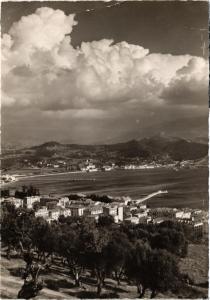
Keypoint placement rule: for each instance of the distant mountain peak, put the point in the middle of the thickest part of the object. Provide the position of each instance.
(48, 144)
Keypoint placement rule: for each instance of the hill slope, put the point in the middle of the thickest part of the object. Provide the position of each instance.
(148, 148)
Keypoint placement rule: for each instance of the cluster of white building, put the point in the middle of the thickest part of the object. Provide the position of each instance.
(121, 209)
(51, 208)
(6, 178)
(91, 167)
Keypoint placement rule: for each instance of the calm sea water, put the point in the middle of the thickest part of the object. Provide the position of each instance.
(186, 188)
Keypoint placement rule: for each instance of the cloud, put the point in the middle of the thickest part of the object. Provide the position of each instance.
(190, 85)
(41, 69)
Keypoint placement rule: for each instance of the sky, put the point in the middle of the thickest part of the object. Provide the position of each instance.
(103, 72)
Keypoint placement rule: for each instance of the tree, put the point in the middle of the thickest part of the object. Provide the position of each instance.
(62, 219)
(94, 243)
(16, 227)
(170, 239)
(163, 272)
(32, 284)
(44, 237)
(69, 246)
(137, 266)
(105, 221)
(117, 250)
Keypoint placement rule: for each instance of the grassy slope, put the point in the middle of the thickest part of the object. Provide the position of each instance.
(59, 285)
(196, 263)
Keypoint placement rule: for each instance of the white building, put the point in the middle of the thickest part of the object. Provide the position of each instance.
(133, 220)
(183, 215)
(54, 214)
(94, 210)
(107, 168)
(120, 213)
(110, 210)
(77, 210)
(67, 212)
(63, 202)
(90, 167)
(143, 207)
(28, 201)
(158, 221)
(141, 215)
(15, 201)
(42, 212)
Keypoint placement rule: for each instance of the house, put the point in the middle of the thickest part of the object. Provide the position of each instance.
(94, 210)
(54, 213)
(148, 220)
(63, 202)
(198, 228)
(67, 212)
(126, 199)
(90, 167)
(133, 220)
(206, 227)
(107, 168)
(110, 210)
(42, 212)
(143, 207)
(45, 200)
(140, 214)
(183, 215)
(77, 210)
(15, 201)
(116, 219)
(29, 201)
(51, 205)
(120, 214)
(157, 220)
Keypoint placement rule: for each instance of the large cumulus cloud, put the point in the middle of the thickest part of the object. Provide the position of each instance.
(40, 68)
(189, 86)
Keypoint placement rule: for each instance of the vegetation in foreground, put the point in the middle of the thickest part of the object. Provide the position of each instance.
(148, 256)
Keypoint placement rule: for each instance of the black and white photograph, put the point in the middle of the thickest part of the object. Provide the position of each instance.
(104, 150)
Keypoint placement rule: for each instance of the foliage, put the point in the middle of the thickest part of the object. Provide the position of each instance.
(145, 254)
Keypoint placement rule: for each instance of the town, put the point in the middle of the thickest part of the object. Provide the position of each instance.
(121, 209)
(93, 165)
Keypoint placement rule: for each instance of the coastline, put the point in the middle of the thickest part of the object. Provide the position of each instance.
(47, 174)
(24, 176)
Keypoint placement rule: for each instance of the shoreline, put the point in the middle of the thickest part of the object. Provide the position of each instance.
(19, 177)
(47, 174)
(24, 176)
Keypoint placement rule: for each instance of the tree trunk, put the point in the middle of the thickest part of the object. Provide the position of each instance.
(103, 282)
(99, 288)
(44, 258)
(153, 294)
(8, 252)
(93, 273)
(21, 247)
(117, 277)
(76, 278)
(52, 258)
(142, 292)
(139, 287)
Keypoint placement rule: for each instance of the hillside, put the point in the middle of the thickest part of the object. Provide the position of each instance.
(148, 148)
(156, 148)
(58, 284)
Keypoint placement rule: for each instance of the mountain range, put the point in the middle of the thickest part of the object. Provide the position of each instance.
(147, 148)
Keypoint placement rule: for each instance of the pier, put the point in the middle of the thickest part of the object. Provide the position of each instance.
(137, 201)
